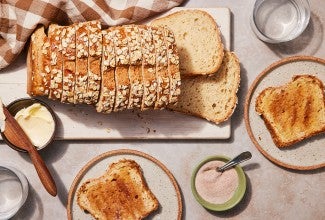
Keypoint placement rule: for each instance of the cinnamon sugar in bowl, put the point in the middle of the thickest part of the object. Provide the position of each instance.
(218, 191)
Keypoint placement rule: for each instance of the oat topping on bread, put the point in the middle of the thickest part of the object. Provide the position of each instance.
(294, 111)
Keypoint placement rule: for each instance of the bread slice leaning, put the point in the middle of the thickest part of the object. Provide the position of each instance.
(38, 66)
(295, 111)
(211, 97)
(198, 41)
(121, 193)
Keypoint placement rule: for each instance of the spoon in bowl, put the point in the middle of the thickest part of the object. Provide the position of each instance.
(238, 159)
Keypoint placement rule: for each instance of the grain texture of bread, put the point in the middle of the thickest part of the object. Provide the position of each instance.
(295, 111)
(94, 62)
(162, 76)
(121, 193)
(173, 66)
(211, 97)
(198, 40)
(106, 100)
(55, 34)
(122, 60)
(135, 68)
(38, 71)
(69, 63)
(148, 68)
(82, 53)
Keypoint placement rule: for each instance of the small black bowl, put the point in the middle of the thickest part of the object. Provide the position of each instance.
(19, 104)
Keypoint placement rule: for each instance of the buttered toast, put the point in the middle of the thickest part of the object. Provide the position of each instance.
(295, 111)
(121, 193)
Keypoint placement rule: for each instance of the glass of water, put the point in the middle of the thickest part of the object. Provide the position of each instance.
(276, 21)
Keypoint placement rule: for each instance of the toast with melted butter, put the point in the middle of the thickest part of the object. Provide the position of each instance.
(295, 111)
(121, 193)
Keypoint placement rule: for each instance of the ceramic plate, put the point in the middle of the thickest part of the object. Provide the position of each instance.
(306, 155)
(159, 179)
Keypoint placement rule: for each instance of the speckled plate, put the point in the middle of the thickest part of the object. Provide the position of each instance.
(159, 179)
(306, 155)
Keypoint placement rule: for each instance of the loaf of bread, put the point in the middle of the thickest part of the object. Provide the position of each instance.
(121, 193)
(124, 67)
(198, 40)
(295, 111)
(211, 97)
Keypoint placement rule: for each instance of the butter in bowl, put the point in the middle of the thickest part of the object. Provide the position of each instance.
(215, 190)
(37, 120)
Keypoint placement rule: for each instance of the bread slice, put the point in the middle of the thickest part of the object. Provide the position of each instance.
(148, 68)
(211, 97)
(39, 70)
(135, 68)
(55, 34)
(94, 62)
(107, 94)
(121, 193)
(69, 63)
(162, 76)
(122, 60)
(173, 66)
(198, 40)
(295, 111)
(82, 53)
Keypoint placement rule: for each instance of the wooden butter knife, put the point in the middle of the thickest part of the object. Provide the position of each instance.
(16, 135)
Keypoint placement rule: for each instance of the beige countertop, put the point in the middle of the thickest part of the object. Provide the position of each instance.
(273, 192)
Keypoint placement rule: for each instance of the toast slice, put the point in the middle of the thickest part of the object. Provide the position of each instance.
(162, 76)
(55, 34)
(198, 40)
(107, 94)
(148, 68)
(135, 68)
(295, 111)
(211, 97)
(94, 62)
(122, 60)
(82, 53)
(39, 69)
(69, 63)
(173, 66)
(121, 193)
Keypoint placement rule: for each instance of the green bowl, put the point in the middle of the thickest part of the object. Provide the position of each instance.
(235, 199)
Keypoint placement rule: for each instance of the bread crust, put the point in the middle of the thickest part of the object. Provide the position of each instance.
(122, 188)
(290, 113)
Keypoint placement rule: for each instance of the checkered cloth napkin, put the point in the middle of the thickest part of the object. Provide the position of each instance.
(19, 18)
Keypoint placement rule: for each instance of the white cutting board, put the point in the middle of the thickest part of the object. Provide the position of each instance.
(83, 122)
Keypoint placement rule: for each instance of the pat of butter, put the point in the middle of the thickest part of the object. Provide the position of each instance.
(2, 118)
(37, 122)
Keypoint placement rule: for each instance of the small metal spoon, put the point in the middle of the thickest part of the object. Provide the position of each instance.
(240, 158)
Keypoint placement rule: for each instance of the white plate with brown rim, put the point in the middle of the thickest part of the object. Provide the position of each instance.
(305, 155)
(159, 179)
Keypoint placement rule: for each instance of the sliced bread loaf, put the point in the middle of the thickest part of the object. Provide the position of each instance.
(121, 193)
(39, 69)
(211, 97)
(107, 93)
(198, 40)
(295, 111)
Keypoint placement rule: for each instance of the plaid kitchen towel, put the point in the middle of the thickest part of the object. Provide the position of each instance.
(19, 18)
